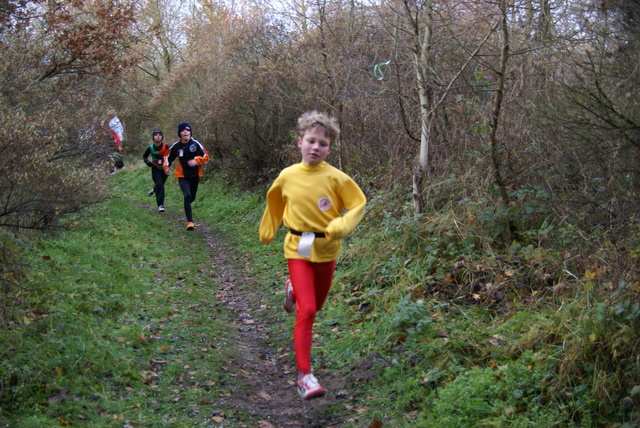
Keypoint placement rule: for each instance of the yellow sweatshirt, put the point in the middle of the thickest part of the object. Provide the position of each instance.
(311, 199)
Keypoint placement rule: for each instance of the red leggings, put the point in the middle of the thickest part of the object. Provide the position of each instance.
(311, 283)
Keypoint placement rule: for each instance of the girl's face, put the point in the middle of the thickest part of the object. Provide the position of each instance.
(157, 138)
(314, 146)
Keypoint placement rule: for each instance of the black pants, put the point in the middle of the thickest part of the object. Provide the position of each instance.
(117, 160)
(159, 178)
(189, 187)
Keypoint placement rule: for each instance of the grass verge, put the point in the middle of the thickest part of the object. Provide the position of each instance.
(120, 320)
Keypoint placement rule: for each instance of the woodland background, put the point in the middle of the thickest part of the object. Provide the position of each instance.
(526, 108)
(518, 118)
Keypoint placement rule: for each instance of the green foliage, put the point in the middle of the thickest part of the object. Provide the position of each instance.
(453, 332)
(473, 336)
(412, 317)
(510, 395)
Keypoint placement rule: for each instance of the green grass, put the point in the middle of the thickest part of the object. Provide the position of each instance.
(110, 306)
(113, 306)
(444, 329)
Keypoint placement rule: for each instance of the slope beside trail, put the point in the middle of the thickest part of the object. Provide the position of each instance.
(266, 375)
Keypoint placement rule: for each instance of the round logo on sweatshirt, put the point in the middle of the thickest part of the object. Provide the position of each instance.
(324, 203)
(192, 148)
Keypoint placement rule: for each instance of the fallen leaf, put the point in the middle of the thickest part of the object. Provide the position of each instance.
(265, 395)
(591, 273)
(141, 338)
(471, 219)
(561, 286)
(412, 415)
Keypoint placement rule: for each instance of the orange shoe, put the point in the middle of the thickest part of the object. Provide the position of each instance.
(191, 226)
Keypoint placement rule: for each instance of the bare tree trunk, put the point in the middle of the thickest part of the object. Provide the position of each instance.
(420, 26)
(495, 115)
(422, 54)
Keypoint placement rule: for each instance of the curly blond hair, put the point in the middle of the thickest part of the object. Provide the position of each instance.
(315, 119)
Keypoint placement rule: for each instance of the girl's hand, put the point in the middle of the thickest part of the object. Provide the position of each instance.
(167, 171)
(192, 162)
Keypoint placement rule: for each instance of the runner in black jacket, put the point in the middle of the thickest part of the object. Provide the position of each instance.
(191, 155)
(158, 151)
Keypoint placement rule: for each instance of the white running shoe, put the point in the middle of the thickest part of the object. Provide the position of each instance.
(308, 387)
(151, 192)
(289, 301)
(160, 208)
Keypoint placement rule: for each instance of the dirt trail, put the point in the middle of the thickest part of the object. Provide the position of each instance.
(265, 374)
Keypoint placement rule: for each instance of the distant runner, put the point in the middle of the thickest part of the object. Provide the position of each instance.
(191, 155)
(158, 151)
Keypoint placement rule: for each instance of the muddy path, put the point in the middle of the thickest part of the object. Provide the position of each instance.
(265, 371)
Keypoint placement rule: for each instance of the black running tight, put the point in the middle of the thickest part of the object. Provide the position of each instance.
(189, 187)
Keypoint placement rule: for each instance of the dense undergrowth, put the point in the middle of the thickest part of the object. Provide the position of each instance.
(459, 330)
(470, 333)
